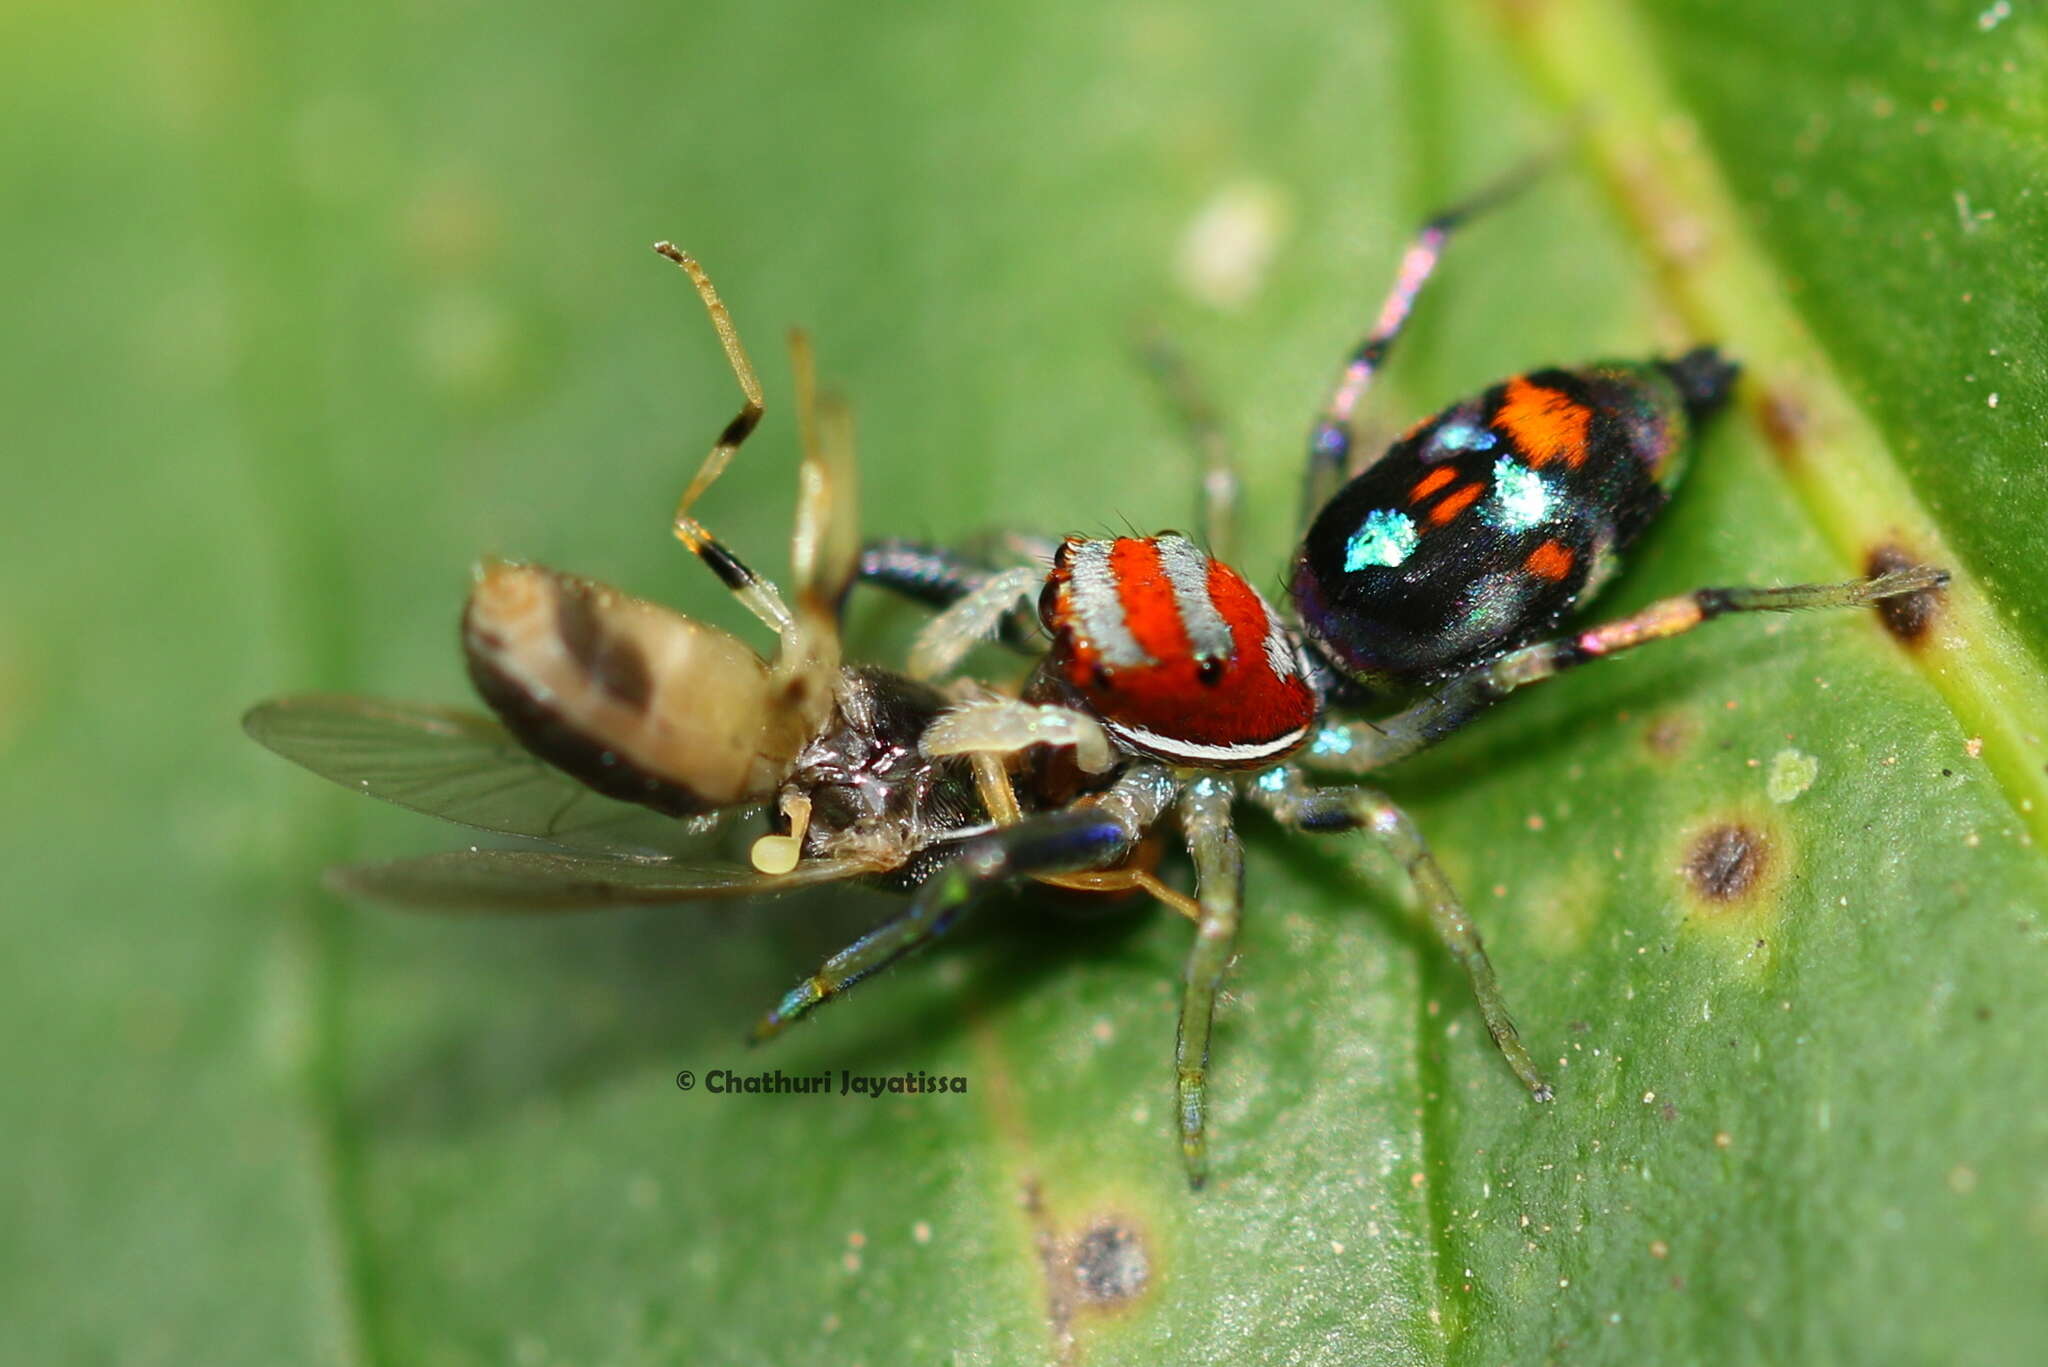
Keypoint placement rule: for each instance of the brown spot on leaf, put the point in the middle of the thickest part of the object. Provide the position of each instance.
(1725, 862)
(1669, 734)
(1785, 420)
(1910, 616)
(1103, 1267)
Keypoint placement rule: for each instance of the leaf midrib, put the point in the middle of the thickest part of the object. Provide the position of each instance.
(1732, 288)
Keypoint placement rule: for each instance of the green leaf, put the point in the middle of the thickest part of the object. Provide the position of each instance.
(327, 303)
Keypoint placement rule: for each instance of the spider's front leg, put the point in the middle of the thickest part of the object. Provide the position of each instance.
(1286, 793)
(943, 577)
(991, 731)
(1092, 836)
(1219, 891)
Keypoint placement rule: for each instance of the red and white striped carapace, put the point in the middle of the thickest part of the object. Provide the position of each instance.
(1174, 653)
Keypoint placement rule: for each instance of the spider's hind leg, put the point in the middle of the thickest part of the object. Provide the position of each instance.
(1359, 747)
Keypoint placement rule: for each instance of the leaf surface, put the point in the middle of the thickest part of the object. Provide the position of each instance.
(383, 303)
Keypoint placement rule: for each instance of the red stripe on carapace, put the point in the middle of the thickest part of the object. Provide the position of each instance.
(1546, 424)
(1431, 482)
(1241, 607)
(1455, 502)
(1147, 595)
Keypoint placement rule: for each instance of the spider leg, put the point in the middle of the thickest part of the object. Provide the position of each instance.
(945, 640)
(1219, 870)
(1287, 795)
(1331, 440)
(1358, 747)
(940, 576)
(1071, 839)
(1008, 726)
(1221, 488)
(999, 799)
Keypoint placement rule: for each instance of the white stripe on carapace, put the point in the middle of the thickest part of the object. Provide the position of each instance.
(1187, 570)
(1170, 748)
(1091, 585)
(1283, 655)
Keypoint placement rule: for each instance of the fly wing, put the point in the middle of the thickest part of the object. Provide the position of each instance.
(533, 881)
(459, 765)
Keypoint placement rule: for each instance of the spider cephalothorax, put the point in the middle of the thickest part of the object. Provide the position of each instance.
(1174, 653)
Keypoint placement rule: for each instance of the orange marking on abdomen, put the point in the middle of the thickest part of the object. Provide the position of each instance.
(1455, 502)
(1552, 560)
(1147, 597)
(1547, 425)
(1431, 482)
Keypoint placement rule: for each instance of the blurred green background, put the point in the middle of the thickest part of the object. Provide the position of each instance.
(309, 306)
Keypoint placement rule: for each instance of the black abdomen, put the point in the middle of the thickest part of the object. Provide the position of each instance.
(1485, 526)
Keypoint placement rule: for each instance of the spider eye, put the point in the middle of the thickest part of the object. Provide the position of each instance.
(1209, 668)
(1049, 604)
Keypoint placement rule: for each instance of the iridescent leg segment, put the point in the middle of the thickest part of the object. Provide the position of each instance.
(1080, 837)
(1330, 442)
(1287, 795)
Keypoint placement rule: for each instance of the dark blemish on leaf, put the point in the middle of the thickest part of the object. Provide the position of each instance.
(1909, 617)
(1725, 861)
(1110, 1265)
(1104, 1267)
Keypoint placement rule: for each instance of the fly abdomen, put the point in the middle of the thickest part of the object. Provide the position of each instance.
(638, 702)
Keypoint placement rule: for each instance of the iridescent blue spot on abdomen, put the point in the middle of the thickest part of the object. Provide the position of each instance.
(1462, 436)
(1521, 497)
(1387, 538)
